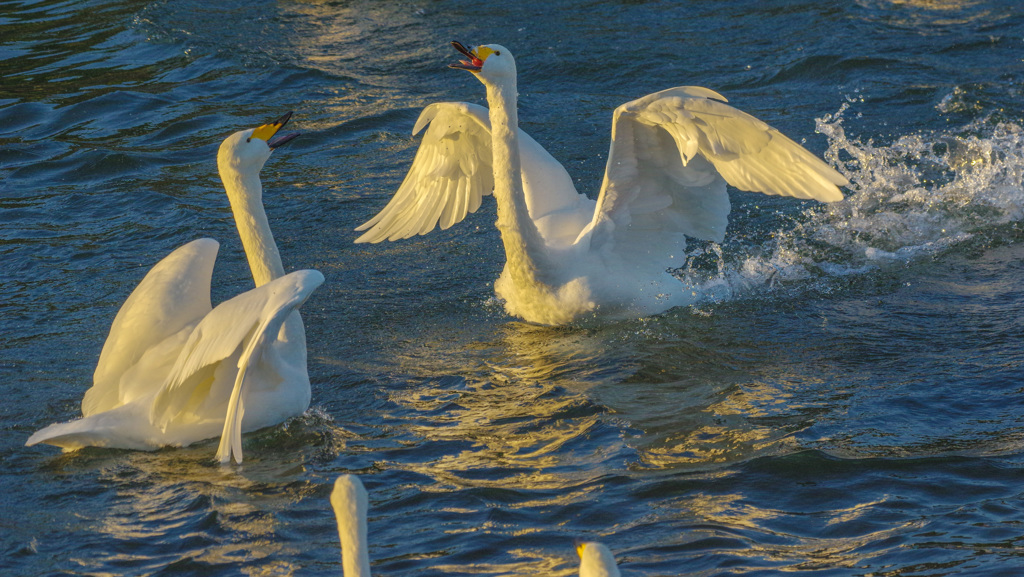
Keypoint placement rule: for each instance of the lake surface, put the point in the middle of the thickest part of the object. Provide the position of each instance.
(846, 398)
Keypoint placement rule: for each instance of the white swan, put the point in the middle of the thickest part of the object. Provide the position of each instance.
(350, 503)
(596, 560)
(672, 153)
(174, 370)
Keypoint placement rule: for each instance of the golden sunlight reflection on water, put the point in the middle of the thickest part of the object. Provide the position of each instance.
(516, 436)
(842, 541)
(731, 423)
(529, 563)
(522, 398)
(185, 493)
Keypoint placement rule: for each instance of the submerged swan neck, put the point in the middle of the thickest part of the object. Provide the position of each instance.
(245, 193)
(523, 242)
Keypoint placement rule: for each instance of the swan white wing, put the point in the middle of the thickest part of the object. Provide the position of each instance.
(558, 210)
(672, 153)
(453, 171)
(284, 301)
(247, 323)
(174, 294)
(448, 178)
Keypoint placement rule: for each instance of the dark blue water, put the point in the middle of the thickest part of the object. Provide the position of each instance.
(846, 399)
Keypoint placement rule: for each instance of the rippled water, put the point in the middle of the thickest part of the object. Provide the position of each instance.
(845, 399)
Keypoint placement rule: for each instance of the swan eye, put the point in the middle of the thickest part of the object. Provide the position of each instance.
(497, 53)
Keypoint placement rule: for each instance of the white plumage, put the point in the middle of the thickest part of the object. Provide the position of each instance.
(174, 370)
(596, 560)
(350, 503)
(671, 155)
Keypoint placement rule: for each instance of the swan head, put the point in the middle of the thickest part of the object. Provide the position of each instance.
(596, 560)
(490, 63)
(349, 499)
(247, 150)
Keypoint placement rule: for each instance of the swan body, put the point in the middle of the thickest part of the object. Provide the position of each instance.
(174, 370)
(596, 560)
(672, 154)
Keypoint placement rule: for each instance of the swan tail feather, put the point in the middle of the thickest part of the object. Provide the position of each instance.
(121, 428)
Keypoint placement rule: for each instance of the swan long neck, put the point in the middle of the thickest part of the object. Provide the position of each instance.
(350, 505)
(523, 243)
(245, 193)
(355, 557)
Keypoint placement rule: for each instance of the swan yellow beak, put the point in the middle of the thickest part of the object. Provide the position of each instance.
(580, 546)
(477, 56)
(267, 131)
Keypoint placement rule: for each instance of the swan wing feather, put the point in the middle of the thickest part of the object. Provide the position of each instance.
(248, 322)
(174, 294)
(449, 176)
(672, 154)
(285, 300)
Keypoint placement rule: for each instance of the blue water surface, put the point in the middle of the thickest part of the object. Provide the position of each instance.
(845, 398)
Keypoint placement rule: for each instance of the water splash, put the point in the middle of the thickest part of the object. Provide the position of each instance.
(915, 197)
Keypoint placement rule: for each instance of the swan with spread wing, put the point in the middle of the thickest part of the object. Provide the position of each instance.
(672, 154)
(174, 370)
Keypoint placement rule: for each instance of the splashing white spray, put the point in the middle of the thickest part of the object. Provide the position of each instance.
(917, 196)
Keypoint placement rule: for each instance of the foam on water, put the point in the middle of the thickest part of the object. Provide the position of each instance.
(909, 199)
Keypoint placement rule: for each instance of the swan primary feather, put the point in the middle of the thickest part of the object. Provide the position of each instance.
(672, 154)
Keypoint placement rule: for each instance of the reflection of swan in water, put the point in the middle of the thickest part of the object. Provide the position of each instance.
(174, 370)
(596, 560)
(566, 255)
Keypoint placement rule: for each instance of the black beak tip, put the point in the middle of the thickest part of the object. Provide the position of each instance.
(462, 49)
(284, 118)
